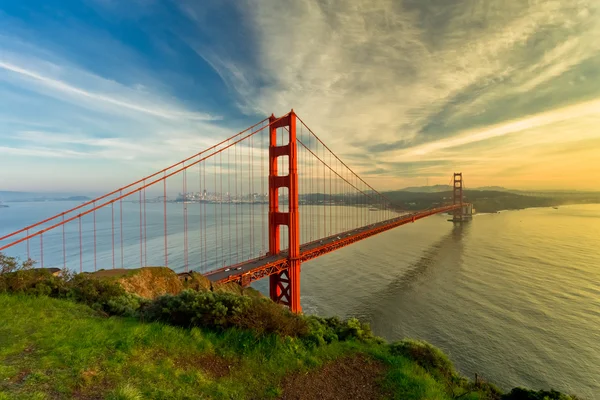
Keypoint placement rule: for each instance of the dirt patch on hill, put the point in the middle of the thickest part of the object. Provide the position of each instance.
(151, 282)
(197, 281)
(355, 377)
(110, 273)
(92, 385)
(148, 282)
(213, 365)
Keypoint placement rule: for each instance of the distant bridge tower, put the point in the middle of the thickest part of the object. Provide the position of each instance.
(284, 287)
(464, 213)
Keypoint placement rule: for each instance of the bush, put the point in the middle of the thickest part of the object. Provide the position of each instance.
(327, 330)
(427, 356)
(263, 316)
(222, 310)
(12, 264)
(524, 394)
(219, 309)
(34, 282)
(126, 305)
(190, 308)
(102, 295)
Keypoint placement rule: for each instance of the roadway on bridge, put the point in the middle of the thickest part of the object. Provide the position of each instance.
(226, 274)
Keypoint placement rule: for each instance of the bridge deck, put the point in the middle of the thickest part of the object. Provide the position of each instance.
(258, 268)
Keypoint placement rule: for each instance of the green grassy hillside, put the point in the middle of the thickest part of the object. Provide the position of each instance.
(52, 348)
(56, 349)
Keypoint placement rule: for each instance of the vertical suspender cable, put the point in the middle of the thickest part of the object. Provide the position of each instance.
(221, 207)
(64, 243)
(229, 204)
(141, 235)
(204, 164)
(201, 216)
(237, 205)
(112, 211)
(80, 248)
(216, 249)
(121, 224)
(145, 231)
(165, 219)
(262, 190)
(95, 260)
(185, 221)
(251, 169)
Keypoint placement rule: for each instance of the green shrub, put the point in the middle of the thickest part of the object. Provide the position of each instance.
(525, 394)
(34, 282)
(327, 330)
(432, 359)
(222, 310)
(11, 264)
(102, 295)
(489, 391)
(219, 309)
(263, 316)
(126, 305)
(190, 308)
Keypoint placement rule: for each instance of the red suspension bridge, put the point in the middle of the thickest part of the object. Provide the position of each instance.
(255, 205)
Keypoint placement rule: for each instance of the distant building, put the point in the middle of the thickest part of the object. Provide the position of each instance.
(184, 276)
(52, 271)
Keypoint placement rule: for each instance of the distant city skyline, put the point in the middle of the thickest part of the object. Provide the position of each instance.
(96, 94)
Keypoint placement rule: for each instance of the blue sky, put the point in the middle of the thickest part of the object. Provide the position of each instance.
(97, 93)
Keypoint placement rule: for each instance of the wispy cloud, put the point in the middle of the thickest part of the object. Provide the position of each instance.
(40, 152)
(575, 112)
(139, 104)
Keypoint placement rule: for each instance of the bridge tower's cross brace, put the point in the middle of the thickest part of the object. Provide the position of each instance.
(458, 196)
(284, 287)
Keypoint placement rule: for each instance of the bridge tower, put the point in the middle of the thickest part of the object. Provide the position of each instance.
(284, 287)
(464, 212)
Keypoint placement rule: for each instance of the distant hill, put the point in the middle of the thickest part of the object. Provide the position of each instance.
(14, 197)
(445, 188)
(558, 193)
(495, 189)
(489, 200)
(427, 189)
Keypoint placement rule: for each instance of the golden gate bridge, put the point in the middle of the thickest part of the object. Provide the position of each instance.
(279, 196)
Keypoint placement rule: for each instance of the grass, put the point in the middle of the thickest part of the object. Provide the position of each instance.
(51, 348)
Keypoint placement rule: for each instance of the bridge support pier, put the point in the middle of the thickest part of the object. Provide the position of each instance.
(284, 287)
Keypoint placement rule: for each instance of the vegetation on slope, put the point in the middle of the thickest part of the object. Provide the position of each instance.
(201, 344)
(490, 200)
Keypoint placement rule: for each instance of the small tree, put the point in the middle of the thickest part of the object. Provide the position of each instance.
(11, 264)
